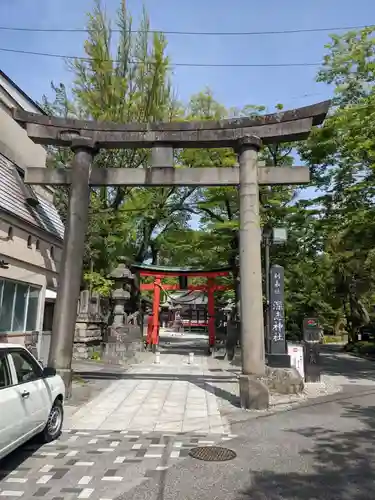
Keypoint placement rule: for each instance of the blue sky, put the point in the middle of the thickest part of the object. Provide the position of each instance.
(293, 86)
(231, 86)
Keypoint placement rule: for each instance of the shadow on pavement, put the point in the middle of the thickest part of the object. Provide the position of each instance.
(343, 465)
(337, 363)
(173, 349)
(15, 460)
(204, 382)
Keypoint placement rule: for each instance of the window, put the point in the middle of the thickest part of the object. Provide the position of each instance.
(32, 311)
(29, 241)
(6, 312)
(52, 252)
(26, 368)
(10, 232)
(19, 303)
(5, 379)
(37, 245)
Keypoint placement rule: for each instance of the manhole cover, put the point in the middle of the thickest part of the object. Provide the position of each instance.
(212, 454)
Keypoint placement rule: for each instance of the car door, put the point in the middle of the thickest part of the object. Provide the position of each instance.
(31, 389)
(11, 408)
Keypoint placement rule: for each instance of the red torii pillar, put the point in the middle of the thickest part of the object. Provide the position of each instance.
(155, 311)
(211, 311)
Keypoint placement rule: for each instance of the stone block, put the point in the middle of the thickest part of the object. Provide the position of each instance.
(283, 380)
(254, 394)
(123, 344)
(87, 331)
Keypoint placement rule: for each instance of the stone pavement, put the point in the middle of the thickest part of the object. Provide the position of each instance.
(145, 420)
(132, 441)
(321, 451)
(173, 396)
(90, 464)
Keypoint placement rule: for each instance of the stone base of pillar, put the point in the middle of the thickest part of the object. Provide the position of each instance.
(67, 376)
(278, 360)
(254, 394)
(90, 349)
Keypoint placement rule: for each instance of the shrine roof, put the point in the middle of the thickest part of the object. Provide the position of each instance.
(160, 271)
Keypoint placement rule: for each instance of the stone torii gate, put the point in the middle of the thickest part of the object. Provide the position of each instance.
(245, 135)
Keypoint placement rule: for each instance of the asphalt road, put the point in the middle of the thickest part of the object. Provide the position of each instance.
(324, 450)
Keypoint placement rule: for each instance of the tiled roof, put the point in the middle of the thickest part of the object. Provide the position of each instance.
(178, 270)
(192, 297)
(12, 199)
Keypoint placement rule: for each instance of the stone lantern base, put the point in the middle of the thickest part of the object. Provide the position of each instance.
(123, 345)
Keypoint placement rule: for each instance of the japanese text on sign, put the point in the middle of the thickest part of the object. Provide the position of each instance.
(277, 305)
(277, 283)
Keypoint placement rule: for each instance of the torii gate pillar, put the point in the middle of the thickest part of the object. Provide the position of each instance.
(253, 393)
(64, 318)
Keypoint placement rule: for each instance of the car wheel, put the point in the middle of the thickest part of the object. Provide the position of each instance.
(54, 424)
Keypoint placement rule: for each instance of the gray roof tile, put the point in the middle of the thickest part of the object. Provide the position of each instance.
(12, 199)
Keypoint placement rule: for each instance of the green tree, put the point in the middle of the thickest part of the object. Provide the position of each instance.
(130, 83)
(341, 156)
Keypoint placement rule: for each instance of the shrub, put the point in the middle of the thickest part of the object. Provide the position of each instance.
(95, 356)
(361, 348)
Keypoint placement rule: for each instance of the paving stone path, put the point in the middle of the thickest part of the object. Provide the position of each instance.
(173, 396)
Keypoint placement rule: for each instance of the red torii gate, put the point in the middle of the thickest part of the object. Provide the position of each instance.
(159, 272)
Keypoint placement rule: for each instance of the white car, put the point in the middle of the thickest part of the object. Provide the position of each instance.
(31, 399)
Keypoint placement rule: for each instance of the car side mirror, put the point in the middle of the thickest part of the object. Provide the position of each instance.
(48, 371)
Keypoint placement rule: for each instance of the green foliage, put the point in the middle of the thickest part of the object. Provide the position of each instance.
(334, 339)
(341, 156)
(361, 348)
(98, 283)
(108, 85)
(95, 356)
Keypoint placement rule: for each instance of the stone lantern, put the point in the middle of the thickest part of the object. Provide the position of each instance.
(124, 340)
(121, 295)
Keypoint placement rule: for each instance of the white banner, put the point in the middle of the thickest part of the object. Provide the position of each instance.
(296, 358)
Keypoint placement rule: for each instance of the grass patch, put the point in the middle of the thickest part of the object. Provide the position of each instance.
(334, 339)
